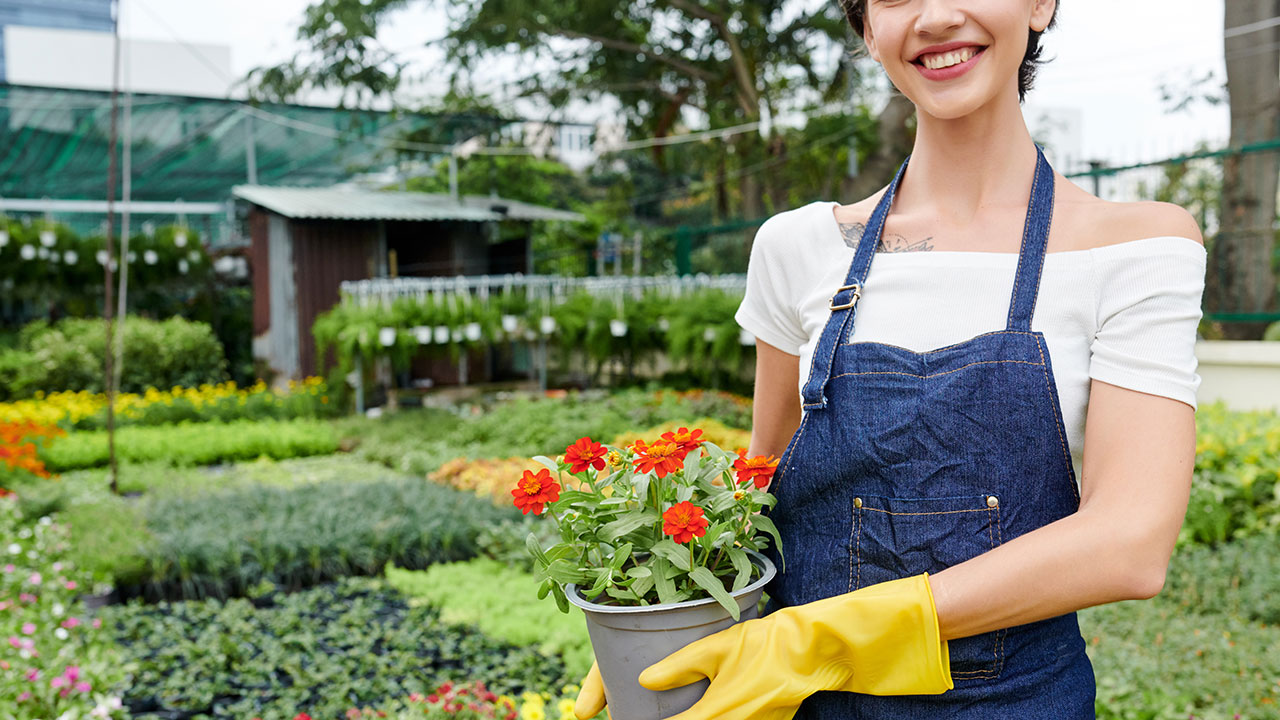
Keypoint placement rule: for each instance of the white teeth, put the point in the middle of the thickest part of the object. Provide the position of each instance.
(941, 60)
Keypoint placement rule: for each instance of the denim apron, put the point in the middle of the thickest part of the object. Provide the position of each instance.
(910, 462)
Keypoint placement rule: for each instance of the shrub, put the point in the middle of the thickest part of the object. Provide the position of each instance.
(69, 356)
(222, 542)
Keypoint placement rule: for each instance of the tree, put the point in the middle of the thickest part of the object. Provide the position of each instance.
(1241, 276)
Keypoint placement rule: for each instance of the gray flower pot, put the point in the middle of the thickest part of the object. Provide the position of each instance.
(626, 640)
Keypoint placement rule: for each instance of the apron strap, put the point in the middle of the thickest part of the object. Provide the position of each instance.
(844, 301)
(1035, 237)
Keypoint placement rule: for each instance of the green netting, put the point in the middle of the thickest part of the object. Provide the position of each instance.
(53, 143)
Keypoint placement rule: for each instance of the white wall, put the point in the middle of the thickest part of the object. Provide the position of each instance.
(82, 59)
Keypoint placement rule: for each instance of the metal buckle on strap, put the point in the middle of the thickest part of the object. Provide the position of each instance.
(856, 288)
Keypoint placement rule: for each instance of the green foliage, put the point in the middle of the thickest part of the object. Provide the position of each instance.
(501, 601)
(1236, 490)
(321, 651)
(1206, 647)
(69, 355)
(221, 542)
(196, 443)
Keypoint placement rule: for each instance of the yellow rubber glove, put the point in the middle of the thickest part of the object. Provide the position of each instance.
(591, 696)
(880, 640)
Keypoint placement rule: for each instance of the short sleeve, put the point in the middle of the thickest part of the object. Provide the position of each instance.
(770, 308)
(1149, 309)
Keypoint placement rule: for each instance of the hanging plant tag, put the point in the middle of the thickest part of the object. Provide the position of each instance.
(618, 328)
(442, 334)
(387, 336)
(510, 323)
(423, 333)
(473, 331)
(547, 325)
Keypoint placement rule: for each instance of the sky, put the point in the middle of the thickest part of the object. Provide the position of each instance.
(1108, 58)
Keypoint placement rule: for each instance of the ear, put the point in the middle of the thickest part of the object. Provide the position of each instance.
(869, 39)
(1042, 13)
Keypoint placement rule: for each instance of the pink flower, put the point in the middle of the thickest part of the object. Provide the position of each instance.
(33, 674)
(71, 584)
(97, 623)
(58, 682)
(24, 696)
(5, 605)
(35, 578)
(27, 597)
(28, 628)
(70, 622)
(83, 687)
(72, 672)
(57, 567)
(8, 568)
(14, 641)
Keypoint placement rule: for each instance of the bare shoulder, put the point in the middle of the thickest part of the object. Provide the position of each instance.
(1120, 222)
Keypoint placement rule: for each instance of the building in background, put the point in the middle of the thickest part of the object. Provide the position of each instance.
(91, 15)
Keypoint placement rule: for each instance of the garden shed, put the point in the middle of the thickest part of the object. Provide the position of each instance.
(306, 241)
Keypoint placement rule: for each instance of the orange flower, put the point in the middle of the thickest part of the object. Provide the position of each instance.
(533, 492)
(584, 454)
(661, 457)
(684, 521)
(758, 469)
(685, 439)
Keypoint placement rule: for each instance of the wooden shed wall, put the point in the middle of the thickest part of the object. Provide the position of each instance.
(326, 253)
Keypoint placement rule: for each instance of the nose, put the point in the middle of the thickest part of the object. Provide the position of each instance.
(938, 16)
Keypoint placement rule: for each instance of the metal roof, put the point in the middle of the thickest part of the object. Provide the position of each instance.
(337, 203)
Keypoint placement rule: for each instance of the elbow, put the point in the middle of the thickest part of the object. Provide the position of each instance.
(1143, 577)
(1146, 582)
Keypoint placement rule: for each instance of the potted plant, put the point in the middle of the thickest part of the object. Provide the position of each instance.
(658, 546)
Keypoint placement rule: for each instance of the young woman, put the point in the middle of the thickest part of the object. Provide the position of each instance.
(1004, 436)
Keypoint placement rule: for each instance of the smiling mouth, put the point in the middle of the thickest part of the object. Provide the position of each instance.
(980, 49)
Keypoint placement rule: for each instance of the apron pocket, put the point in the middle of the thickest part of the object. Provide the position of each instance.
(900, 537)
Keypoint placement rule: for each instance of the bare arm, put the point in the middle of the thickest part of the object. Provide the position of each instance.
(775, 414)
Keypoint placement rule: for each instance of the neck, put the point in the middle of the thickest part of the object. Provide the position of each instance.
(966, 167)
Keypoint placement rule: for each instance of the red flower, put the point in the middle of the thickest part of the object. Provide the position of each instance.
(685, 439)
(532, 493)
(302, 716)
(584, 454)
(758, 469)
(684, 521)
(661, 457)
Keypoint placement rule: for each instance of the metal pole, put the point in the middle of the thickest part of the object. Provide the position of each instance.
(110, 250)
(359, 385)
(122, 306)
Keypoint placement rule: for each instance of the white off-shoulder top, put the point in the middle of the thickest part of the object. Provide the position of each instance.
(1125, 314)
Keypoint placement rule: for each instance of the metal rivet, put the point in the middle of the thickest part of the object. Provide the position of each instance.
(992, 501)
(857, 502)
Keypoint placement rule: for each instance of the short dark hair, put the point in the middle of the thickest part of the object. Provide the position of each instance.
(856, 10)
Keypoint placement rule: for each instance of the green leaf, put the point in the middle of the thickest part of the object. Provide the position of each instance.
(620, 556)
(549, 463)
(764, 523)
(684, 493)
(672, 552)
(627, 523)
(742, 564)
(640, 571)
(563, 571)
(531, 542)
(662, 581)
(709, 582)
(642, 585)
(622, 593)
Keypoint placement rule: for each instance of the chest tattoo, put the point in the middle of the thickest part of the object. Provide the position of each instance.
(852, 233)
